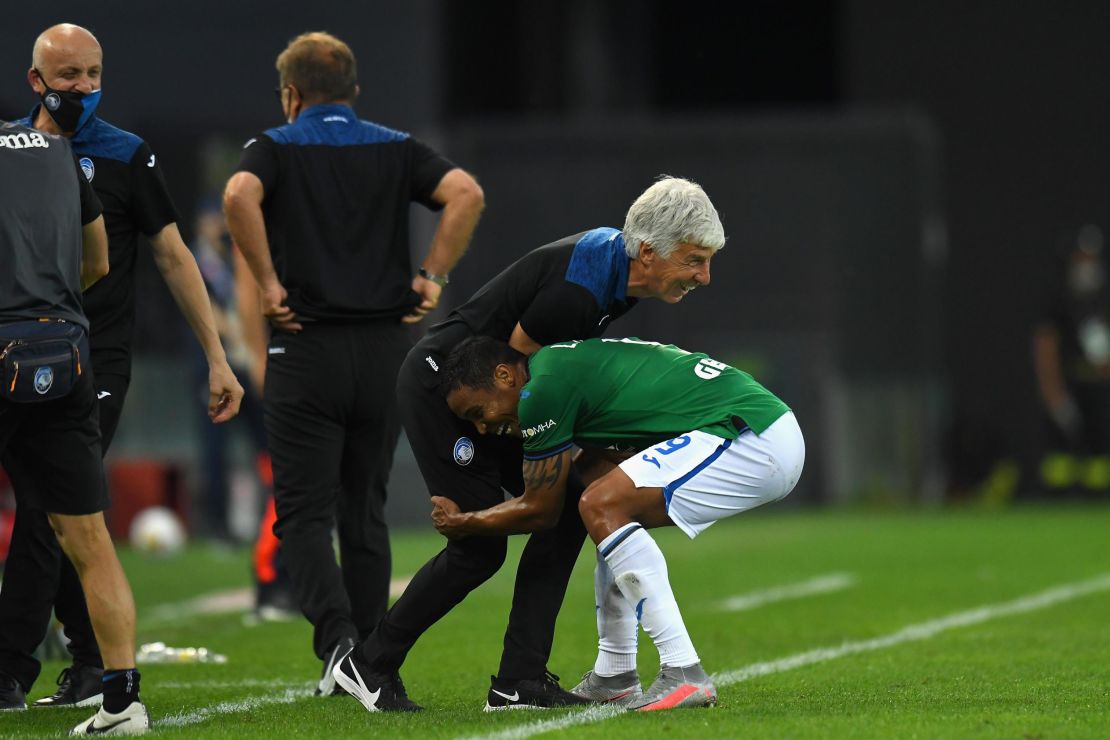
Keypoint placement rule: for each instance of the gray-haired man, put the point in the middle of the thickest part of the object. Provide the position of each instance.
(570, 289)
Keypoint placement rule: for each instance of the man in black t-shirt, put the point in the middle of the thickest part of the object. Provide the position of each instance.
(319, 209)
(67, 62)
(570, 289)
(53, 245)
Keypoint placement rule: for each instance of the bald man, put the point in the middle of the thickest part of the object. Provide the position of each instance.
(65, 74)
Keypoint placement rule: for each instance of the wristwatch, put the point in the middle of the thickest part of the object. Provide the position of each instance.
(440, 280)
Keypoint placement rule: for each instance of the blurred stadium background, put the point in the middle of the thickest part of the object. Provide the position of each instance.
(896, 181)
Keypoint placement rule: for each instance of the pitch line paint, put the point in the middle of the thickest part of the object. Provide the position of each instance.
(819, 585)
(218, 603)
(229, 707)
(246, 683)
(912, 633)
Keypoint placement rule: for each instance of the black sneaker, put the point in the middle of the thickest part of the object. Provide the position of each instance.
(529, 693)
(12, 695)
(79, 685)
(378, 692)
(327, 686)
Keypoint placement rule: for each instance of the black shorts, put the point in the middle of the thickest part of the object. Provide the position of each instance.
(111, 391)
(473, 470)
(57, 445)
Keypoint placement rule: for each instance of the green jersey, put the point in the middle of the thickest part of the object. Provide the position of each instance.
(629, 394)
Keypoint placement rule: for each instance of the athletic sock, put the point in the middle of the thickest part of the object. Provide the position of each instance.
(640, 572)
(121, 688)
(616, 625)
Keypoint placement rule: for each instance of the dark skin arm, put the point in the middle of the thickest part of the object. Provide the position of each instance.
(545, 483)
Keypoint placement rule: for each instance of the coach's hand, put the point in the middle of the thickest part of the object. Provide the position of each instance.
(429, 298)
(446, 516)
(274, 308)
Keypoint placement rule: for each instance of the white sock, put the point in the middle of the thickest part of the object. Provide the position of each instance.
(617, 628)
(640, 572)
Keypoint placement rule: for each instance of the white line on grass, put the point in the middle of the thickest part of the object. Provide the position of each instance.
(912, 633)
(218, 603)
(819, 585)
(245, 683)
(231, 707)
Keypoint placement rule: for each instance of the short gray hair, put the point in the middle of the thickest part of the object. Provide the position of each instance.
(670, 212)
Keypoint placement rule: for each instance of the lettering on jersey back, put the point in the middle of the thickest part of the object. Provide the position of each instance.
(24, 141)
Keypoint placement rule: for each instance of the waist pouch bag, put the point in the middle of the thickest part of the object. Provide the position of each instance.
(41, 360)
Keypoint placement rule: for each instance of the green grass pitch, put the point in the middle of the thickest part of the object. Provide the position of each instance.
(955, 624)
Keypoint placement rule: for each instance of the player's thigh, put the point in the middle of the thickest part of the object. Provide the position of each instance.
(614, 500)
(58, 448)
(704, 478)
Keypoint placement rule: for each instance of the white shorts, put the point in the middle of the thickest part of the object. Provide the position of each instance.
(705, 478)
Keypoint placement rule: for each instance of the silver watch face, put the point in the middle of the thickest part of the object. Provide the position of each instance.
(440, 280)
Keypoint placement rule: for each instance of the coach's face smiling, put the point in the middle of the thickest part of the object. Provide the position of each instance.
(491, 410)
(670, 278)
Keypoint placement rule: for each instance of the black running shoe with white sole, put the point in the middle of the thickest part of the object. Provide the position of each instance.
(131, 721)
(378, 692)
(327, 685)
(79, 685)
(529, 693)
(12, 695)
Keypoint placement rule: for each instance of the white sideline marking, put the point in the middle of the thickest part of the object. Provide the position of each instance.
(246, 683)
(914, 632)
(819, 585)
(230, 707)
(222, 602)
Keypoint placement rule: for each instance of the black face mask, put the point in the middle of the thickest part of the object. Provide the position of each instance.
(69, 109)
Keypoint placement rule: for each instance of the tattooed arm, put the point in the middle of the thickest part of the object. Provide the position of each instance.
(545, 483)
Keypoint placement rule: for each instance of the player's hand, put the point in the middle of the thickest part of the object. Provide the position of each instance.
(273, 308)
(224, 393)
(446, 517)
(429, 293)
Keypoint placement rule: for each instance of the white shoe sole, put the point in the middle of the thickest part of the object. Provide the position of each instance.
(687, 696)
(366, 698)
(490, 708)
(127, 722)
(326, 687)
(93, 701)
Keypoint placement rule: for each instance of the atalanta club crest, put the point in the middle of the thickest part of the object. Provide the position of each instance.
(44, 380)
(464, 451)
(87, 167)
(53, 102)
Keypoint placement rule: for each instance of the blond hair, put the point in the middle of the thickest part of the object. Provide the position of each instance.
(320, 66)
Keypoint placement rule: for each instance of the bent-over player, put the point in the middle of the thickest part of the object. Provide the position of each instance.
(706, 441)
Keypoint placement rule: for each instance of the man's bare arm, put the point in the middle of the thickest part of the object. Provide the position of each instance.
(545, 483)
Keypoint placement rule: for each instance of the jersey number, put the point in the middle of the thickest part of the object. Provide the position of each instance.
(671, 445)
